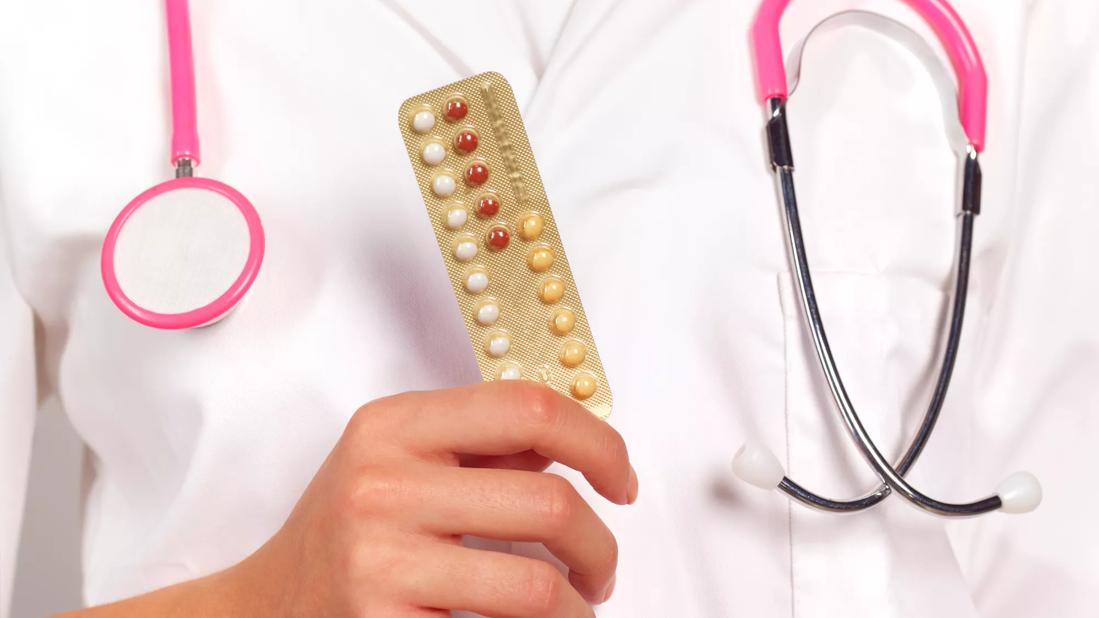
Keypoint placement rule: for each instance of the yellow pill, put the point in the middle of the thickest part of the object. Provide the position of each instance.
(552, 290)
(573, 353)
(540, 259)
(584, 385)
(562, 322)
(531, 226)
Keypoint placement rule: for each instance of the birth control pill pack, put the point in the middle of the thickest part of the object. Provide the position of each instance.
(498, 239)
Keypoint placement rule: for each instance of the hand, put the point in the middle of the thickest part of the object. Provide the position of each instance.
(378, 531)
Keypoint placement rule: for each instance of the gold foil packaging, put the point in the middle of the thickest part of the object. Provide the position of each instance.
(499, 241)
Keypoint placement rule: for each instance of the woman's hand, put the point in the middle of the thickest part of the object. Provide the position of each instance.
(378, 531)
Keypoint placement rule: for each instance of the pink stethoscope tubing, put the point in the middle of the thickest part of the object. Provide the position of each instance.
(185, 154)
(939, 15)
(182, 68)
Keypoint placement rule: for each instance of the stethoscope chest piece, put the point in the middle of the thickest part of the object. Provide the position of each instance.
(183, 253)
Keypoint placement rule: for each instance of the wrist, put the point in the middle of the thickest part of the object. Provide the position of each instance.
(236, 591)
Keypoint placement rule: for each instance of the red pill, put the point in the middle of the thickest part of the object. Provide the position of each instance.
(465, 142)
(488, 207)
(476, 174)
(456, 109)
(498, 238)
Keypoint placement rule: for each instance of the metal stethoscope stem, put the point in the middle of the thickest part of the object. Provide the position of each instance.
(758, 466)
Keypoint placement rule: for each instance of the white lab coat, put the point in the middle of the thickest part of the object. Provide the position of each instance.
(648, 133)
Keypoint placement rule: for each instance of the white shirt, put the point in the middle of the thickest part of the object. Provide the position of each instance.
(647, 131)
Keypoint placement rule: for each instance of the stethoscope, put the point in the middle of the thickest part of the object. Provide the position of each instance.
(183, 253)
(1018, 493)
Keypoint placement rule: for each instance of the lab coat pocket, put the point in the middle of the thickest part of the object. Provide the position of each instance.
(884, 332)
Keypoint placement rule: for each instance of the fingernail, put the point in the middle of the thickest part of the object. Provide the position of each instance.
(610, 588)
(631, 487)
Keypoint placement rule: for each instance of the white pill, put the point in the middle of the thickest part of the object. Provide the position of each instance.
(443, 185)
(498, 345)
(456, 218)
(423, 121)
(510, 372)
(487, 314)
(434, 153)
(465, 250)
(476, 282)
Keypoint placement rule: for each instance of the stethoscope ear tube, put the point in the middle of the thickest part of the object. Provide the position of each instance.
(1018, 493)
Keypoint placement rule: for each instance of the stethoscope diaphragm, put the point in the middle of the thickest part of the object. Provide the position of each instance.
(183, 253)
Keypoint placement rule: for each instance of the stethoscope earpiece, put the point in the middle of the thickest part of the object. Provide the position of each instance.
(1019, 493)
(755, 464)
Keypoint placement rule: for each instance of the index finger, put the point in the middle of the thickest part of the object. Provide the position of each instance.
(505, 417)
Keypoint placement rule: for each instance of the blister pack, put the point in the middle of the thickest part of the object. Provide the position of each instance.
(498, 239)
